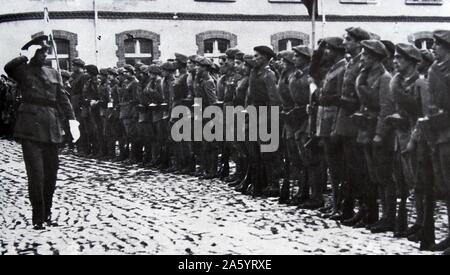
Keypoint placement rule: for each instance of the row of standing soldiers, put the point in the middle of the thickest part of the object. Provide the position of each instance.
(366, 116)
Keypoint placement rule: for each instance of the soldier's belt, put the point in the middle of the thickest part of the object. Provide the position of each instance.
(40, 102)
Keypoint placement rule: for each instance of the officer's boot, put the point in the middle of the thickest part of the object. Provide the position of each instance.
(401, 222)
(414, 233)
(303, 194)
(428, 237)
(372, 207)
(359, 216)
(388, 224)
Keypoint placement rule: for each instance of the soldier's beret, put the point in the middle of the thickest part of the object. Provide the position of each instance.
(410, 51)
(144, 69)
(442, 36)
(129, 68)
(154, 69)
(375, 46)
(78, 63)
(193, 58)
(248, 59)
(168, 66)
(287, 56)
(358, 33)
(231, 53)
(335, 42)
(41, 40)
(92, 70)
(113, 71)
(138, 65)
(215, 68)
(206, 62)
(265, 51)
(223, 57)
(65, 74)
(104, 72)
(427, 55)
(303, 50)
(181, 58)
(120, 70)
(390, 47)
(239, 56)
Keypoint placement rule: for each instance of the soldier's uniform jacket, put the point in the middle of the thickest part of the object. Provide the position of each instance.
(180, 89)
(205, 88)
(377, 102)
(114, 87)
(230, 89)
(168, 89)
(287, 102)
(42, 97)
(349, 100)
(263, 88)
(190, 83)
(407, 105)
(129, 99)
(222, 86)
(90, 92)
(240, 96)
(299, 83)
(329, 96)
(439, 79)
(77, 82)
(104, 91)
(155, 96)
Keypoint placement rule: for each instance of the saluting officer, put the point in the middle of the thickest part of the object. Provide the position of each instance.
(38, 127)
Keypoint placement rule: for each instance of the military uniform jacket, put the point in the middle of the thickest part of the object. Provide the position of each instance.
(230, 89)
(190, 83)
(155, 96)
(374, 93)
(263, 88)
(240, 96)
(104, 91)
(287, 103)
(407, 105)
(205, 88)
(129, 99)
(439, 78)
(344, 125)
(299, 83)
(329, 95)
(180, 89)
(42, 97)
(77, 82)
(222, 87)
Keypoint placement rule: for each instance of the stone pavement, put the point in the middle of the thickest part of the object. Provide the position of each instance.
(108, 208)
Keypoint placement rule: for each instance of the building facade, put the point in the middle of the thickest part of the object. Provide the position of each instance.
(127, 31)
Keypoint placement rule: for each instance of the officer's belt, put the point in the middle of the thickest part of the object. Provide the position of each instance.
(40, 102)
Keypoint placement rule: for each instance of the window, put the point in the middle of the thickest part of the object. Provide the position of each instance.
(137, 46)
(212, 44)
(424, 2)
(138, 50)
(422, 40)
(63, 51)
(66, 47)
(287, 40)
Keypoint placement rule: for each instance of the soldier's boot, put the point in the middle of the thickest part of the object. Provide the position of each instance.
(212, 166)
(401, 222)
(285, 192)
(273, 186)
(303, 193)
(445, 244)
(240, 173)
(428, 237)
(336, 215)
(387, 224)
(358, 217)
(243, 185)
(414, 233)
(260, 183)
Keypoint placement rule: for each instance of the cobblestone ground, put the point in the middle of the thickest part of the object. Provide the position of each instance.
(107, 208)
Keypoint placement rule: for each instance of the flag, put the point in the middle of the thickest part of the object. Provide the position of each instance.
(310, 6)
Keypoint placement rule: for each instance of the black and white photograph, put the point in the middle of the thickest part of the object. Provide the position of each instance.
(225, 128)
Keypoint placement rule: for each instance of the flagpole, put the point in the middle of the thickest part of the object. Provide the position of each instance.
(48, 31)
(95, 31)
(313, 33)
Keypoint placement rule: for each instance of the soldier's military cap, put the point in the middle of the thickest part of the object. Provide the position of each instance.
(390, 47)
(121, 70)
(410, 51)
(129, 68)
(374, 36)
(287, 56)
(41, 40)
(231, 53)
(335, 42)
(223, 57)
(215, 68)
(239, 56)
(442, 36)
(358, 33)
(193, 58)
(181, 58)
(265, 51)
(92, 70)
(104, 72)
(65, 74)
(144, 69)
(154, 69)
(375, 46)
(113, 71)
(169, 66)
(138, 65)
(248, 59)
(78, 63)
(203, 61)
(303, 50)
(427, 55)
